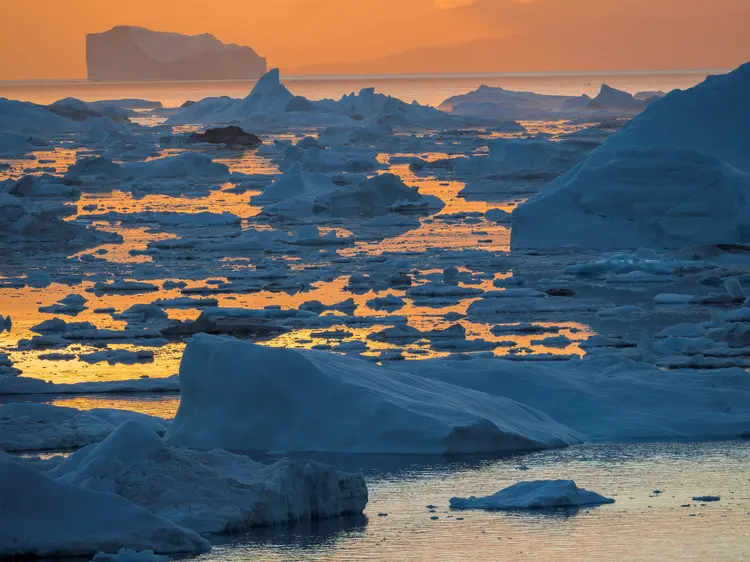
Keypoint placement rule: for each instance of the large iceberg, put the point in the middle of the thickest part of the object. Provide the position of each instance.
(499, 103)
(242, 396)
(129, 53)
(270, 103)
(42, 517)
(210, 491)
(677, 175)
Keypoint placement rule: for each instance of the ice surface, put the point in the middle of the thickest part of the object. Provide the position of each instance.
(677, 175)
(537, 494)
(238, 395)
(42, 517)
(214, 491)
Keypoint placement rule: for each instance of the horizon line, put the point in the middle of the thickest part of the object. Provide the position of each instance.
(321, 77)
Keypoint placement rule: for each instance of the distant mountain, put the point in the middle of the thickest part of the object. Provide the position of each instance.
(127, 53)
(608, 46)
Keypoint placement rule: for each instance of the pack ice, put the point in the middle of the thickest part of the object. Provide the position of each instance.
(676, 175)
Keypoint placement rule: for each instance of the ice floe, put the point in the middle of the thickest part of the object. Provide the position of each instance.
(537, 494)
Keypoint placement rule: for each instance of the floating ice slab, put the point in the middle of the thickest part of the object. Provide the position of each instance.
(538, 494)
(237, 395)
(43, 518)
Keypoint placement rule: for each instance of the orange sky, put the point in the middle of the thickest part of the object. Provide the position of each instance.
(46, 38)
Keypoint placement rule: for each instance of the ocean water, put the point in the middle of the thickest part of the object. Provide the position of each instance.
(653, 518)
(425, 89)
(641, 525)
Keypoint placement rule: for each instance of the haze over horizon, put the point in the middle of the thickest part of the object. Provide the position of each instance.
(45, 39)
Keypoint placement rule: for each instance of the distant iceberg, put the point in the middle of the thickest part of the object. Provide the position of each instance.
(129, 53)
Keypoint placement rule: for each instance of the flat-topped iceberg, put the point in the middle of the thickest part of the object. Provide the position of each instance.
(677, 175)
(242, 396)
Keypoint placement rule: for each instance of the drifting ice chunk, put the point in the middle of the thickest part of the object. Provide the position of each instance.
(232, 393)
(375, 196)
(296, 182)
(42, 517)
(538, 494)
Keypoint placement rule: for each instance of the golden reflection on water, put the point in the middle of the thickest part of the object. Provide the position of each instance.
(161, 406)
(433, 232)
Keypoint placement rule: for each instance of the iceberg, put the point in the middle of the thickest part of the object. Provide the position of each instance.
(271, 104)
(537, 494)
(498, 103)
(237, 395)
(212, 491)
(129, 53)
(676, 175)
(42, 517)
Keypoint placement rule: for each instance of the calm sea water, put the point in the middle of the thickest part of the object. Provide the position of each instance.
(424, 89)
(397, 525)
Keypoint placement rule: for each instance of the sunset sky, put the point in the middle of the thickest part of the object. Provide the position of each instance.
(46, 38)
